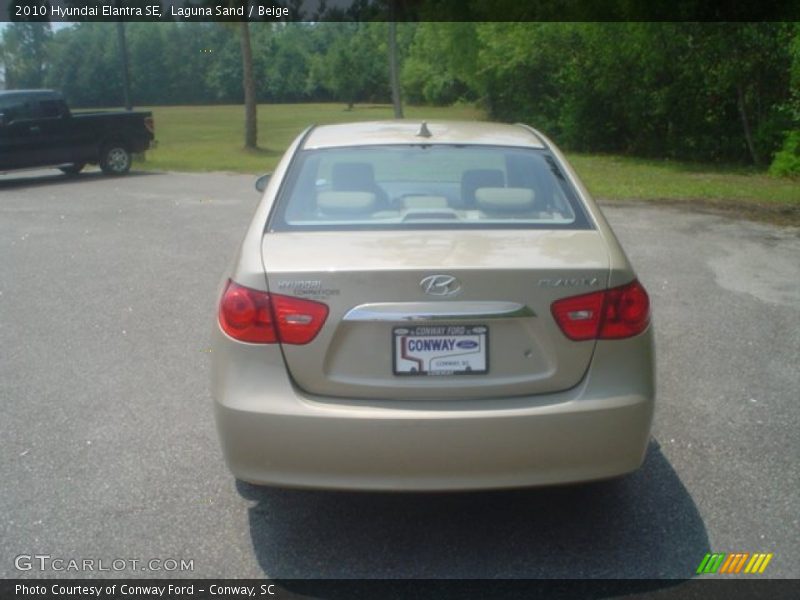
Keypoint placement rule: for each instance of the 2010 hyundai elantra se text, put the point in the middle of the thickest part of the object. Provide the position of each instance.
(435, 306)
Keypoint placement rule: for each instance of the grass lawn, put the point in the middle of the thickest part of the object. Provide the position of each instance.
(210, 138)
(621, 178)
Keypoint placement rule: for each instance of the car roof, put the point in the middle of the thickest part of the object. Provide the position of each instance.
(30, 93)
(411, 131)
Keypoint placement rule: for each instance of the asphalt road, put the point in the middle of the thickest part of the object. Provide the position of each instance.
(108, 446)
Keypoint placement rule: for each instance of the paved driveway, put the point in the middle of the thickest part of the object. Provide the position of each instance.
(108, 447)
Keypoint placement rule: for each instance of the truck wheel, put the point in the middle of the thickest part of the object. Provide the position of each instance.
(115, 159)
(72, 169)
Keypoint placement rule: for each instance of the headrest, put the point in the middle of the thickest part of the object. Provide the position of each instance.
(473, 179)
(346, 203)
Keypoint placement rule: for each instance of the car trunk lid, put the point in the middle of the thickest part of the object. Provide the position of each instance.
(406, 302)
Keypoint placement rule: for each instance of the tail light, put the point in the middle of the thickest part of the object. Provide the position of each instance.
(149, 124)
(613, 314)
(257, 317)
(299, 321)
(579, 316)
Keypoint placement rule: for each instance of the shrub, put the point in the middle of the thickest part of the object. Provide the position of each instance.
(787, 160)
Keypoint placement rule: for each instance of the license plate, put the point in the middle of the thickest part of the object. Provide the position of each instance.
(441, 350)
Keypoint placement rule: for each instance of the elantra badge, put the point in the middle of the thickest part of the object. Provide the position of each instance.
(569, 282)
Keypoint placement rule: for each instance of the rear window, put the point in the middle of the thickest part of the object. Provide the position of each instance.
(17, 107)
(426, 187)
(47, 109)
(14, 107)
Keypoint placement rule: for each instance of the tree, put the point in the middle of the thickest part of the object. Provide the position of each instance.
(248, 81)
(441, 63)
(394, 69)
(394, 75)
(700, 91)
(711, 92)
(85, 65)
(787, 160)
(744, 68)
(249, 86)
(353, 68)
(23, 52)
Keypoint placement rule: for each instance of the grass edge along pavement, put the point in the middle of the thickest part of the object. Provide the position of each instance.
(209, 138)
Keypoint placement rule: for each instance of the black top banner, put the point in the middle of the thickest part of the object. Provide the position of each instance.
(397, 10)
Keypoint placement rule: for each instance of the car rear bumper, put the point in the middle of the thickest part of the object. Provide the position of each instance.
(142, 143)
(277, 435)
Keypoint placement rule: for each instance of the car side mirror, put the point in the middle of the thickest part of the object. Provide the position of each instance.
(262, 182)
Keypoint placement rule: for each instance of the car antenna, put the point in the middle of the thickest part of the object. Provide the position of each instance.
(424, 131)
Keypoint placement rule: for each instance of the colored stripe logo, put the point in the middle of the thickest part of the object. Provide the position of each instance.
(734, 563)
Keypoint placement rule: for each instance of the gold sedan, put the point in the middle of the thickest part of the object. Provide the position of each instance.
(430, 306)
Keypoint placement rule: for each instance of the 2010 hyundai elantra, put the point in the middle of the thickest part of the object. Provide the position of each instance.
(430, 306)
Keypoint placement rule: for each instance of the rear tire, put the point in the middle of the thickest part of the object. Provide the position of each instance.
(115, 159)
(72, 169)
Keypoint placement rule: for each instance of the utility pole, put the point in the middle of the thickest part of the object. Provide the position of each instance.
(123, 50)
(394, 70)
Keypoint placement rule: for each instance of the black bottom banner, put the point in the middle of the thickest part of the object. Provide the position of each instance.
(388, 589)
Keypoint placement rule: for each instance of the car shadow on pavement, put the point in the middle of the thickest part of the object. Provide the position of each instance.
(643, 526)
(27, 179)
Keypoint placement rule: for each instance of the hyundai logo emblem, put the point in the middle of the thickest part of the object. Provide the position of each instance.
(440, 285)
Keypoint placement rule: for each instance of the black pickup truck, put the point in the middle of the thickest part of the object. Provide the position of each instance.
(37, 129)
